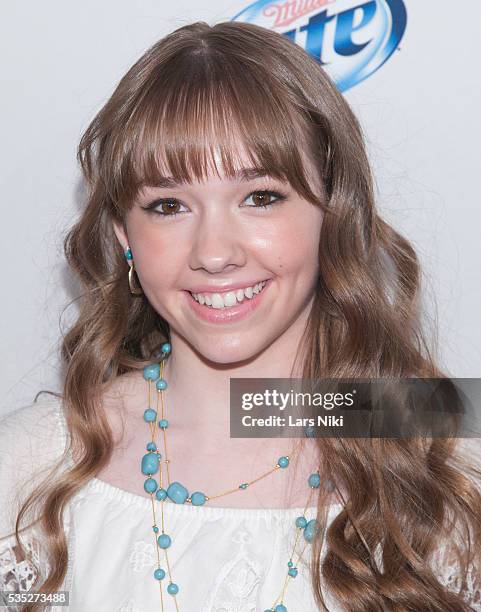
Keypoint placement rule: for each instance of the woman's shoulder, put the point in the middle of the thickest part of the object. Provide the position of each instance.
(32, 439)
(31, 427)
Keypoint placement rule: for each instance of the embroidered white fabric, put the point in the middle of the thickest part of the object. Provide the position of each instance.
(223, 559)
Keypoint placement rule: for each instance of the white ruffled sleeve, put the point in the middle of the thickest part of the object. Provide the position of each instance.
(31, 442)
(444, 561)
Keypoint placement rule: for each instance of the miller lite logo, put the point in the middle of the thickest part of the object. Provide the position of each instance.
(351, 39)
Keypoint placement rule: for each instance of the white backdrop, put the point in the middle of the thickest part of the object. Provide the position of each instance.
(61, 61)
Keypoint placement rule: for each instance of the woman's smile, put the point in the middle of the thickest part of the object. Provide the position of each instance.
(228, 306)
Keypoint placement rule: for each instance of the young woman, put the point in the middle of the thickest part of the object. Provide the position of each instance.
(231, 231)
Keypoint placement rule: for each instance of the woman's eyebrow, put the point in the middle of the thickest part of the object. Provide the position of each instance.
(242, 175)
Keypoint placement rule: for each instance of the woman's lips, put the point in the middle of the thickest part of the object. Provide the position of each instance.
(230, 313)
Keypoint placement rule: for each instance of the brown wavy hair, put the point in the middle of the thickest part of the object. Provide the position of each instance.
(183, 96)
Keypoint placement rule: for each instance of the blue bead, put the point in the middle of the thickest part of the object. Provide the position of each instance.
(244, 485)
(314, 480)
(283, 462)
(155, 528)
(149, 464)
(290, 564)
(292, 572)
(161, 494)
(311, 530)
(280, 608)
(151, 446)
(152, 371)
(197, 499)
(161, 384)
(163, 423)
(150, 485)
(172, 589)
(177, 492)
(165, 348)
(301, 522)
(164, 540)
(159, 574)
(150, 415)
(128, 254)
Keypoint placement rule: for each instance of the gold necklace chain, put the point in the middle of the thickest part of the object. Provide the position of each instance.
(164, 460)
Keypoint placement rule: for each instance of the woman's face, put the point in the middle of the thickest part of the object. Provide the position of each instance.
(220, 243)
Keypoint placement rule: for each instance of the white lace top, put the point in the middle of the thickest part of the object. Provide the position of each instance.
(223, 559)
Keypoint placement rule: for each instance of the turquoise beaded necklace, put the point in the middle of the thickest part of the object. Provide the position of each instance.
(152, 463)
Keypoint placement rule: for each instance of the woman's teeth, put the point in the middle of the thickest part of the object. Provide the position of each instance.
(226, 300)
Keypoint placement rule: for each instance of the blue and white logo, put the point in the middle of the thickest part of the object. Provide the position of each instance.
(351, 39)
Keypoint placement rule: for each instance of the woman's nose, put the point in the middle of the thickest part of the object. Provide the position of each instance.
(217, 243)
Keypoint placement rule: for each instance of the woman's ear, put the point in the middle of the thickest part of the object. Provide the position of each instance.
(119, 230)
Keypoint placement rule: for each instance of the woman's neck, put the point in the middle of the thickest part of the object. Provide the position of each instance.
(200, 390)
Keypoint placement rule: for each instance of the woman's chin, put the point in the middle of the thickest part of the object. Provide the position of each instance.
(227, 354)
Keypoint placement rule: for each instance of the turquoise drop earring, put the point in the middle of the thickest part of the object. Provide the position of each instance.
(130, 260)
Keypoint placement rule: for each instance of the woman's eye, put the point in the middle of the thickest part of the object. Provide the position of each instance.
(170, 207)
(164, 208)
(263, 199)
